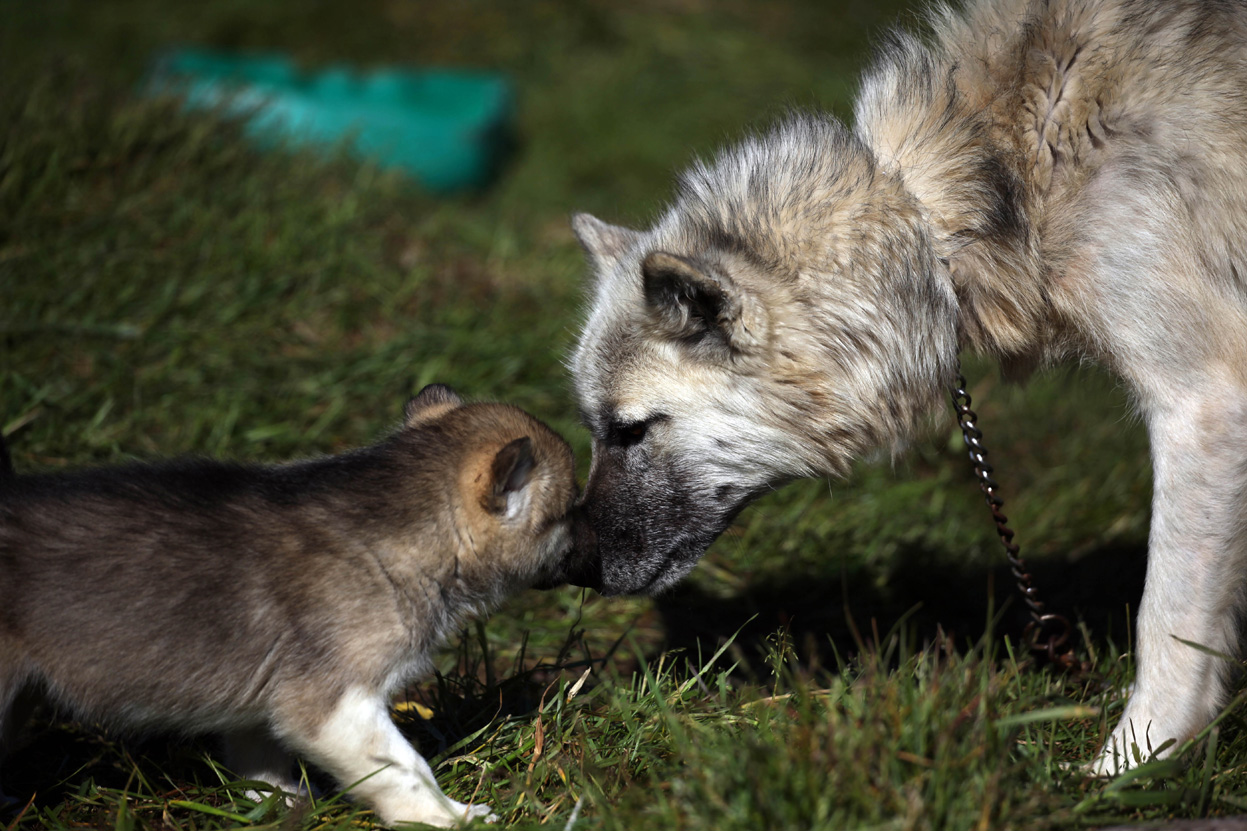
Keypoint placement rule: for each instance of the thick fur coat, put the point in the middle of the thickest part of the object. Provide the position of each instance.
(281, 606)
(1036, 180)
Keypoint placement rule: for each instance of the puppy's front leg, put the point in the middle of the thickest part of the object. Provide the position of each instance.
(1195, 574)
(358, 742)
(255, 754)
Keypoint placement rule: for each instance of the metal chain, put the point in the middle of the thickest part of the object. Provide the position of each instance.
(1047, 635)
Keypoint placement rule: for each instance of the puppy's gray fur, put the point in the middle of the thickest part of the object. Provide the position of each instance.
(281, 606)
(1039, 180)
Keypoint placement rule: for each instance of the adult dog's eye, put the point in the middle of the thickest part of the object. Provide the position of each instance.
(626, 434)
(630, 434)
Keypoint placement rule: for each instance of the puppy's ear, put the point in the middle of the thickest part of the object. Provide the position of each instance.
(700, 305)
(603, 243)
(432, 401)
(512, 470)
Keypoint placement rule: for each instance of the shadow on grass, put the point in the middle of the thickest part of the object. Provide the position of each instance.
(820, 612)
(930, 597)
(57, 760)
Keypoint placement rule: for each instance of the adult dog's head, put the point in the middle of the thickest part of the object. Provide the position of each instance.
(785, 314)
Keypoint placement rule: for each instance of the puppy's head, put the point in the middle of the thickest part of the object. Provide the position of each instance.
(515, 491)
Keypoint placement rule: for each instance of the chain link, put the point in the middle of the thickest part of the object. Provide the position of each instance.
(1047, 635)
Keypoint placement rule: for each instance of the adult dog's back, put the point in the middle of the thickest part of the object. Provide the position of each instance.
(1122, 126)
(1037, 181)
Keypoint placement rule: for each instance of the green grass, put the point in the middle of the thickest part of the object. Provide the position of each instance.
(165, 289)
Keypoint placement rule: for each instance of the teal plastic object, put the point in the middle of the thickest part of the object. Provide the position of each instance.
(450, 129)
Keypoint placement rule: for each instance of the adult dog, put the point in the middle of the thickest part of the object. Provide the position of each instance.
(1039, 180)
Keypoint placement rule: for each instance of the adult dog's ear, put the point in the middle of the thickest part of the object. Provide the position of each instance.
(603, 243)
(701, 305)
(432, 401)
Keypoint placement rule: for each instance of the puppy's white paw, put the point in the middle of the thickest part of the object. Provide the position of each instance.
(482, 813)
(440, 812)
(290, 792)
(467, 813)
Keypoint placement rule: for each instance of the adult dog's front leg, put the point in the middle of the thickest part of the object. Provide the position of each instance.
(1195, 574)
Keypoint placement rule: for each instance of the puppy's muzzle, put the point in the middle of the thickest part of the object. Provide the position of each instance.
(583, 564)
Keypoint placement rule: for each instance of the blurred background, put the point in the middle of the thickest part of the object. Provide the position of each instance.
(167, 288)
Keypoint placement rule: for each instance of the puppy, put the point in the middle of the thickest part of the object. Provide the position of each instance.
(281, 605)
